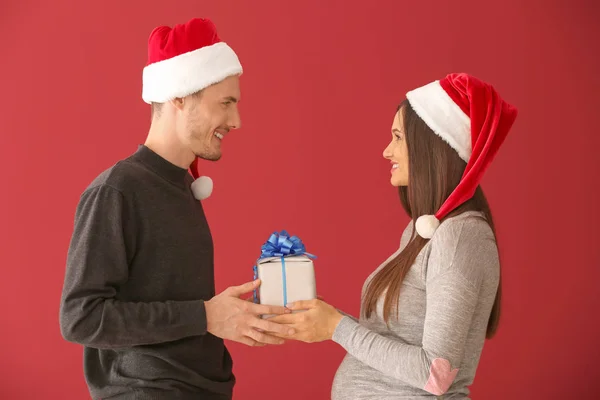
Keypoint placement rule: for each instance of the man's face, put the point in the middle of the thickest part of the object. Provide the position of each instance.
(207, 118)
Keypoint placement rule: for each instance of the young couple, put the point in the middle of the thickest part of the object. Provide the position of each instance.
(139, 285)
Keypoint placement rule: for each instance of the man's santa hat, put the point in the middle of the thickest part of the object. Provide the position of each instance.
(184, 60)
(474, 120)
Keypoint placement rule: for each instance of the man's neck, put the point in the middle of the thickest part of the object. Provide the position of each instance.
(166, 145)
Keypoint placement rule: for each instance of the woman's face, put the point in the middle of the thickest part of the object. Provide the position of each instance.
(397, 152)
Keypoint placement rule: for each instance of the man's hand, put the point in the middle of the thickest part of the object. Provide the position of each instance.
(232, 318)
(316, 324)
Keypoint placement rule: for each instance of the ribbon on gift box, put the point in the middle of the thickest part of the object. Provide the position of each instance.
(281, 244)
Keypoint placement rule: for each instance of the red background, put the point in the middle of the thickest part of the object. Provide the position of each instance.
(322, 80)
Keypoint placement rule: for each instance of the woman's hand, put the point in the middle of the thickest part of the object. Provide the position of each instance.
(315, 321)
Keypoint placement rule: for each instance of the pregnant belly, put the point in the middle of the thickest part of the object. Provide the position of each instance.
(355, 380)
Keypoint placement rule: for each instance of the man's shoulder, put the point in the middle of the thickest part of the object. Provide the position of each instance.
(123, 176)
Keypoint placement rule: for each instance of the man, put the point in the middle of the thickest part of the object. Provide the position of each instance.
(139, 285)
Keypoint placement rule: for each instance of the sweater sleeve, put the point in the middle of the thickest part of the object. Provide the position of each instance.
(345, 314)
(97, 264)
(452, 293)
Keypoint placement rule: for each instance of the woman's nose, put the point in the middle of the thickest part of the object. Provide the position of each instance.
(387, 152)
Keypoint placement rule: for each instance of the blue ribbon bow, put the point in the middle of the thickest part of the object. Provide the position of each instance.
(281, 244)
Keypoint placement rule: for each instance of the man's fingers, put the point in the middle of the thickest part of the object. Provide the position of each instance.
(247, 287)
(271, 326)
(263, 309)
(263, 337)
(250, 342)
(285, 319)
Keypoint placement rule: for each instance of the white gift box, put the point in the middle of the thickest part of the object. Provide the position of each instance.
(283, 282)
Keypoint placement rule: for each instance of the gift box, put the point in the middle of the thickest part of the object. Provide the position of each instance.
(286, 271)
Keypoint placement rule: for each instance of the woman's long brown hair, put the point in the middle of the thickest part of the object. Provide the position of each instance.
(435, 169)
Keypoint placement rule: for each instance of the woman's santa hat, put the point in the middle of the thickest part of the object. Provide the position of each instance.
(474, 120)
(184, 60)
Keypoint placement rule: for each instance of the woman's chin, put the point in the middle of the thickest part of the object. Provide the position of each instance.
(398, 182)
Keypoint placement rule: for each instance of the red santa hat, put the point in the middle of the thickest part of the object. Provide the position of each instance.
(474, 120)
(184, 60)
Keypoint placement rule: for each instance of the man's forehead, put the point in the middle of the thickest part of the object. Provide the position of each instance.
(226, 89)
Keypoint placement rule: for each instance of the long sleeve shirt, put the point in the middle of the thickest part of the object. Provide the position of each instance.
(433, 347)
(139, 269)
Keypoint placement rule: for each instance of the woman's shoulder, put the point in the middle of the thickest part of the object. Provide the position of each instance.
(470, 225)
(466, 244)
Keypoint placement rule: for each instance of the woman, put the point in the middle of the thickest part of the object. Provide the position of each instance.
(427, 310)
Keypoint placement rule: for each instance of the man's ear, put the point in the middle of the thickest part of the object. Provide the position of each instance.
(178, 103)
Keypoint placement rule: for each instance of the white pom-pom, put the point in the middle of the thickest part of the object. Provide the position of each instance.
(426, 226)
(202, 187)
